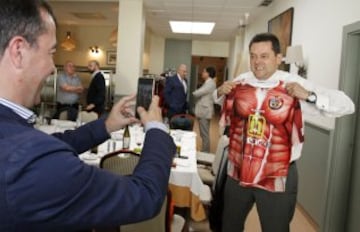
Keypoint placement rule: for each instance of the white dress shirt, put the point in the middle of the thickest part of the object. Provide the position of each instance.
(330, 102)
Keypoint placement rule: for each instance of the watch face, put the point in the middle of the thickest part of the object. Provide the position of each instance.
(311, 98)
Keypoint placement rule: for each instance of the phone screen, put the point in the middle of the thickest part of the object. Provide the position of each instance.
(145, 92)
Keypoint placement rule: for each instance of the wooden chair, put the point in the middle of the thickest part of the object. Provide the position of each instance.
(182, 121)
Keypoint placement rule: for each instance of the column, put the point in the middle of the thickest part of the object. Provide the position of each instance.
(130, 46)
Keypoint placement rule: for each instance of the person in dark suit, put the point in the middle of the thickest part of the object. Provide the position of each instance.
(175, 92)
(96, 93)
(44, 186)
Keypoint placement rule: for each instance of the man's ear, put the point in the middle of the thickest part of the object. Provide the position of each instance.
(279, 58)
(17, 46)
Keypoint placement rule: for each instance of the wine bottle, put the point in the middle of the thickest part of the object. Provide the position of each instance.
(126, 138)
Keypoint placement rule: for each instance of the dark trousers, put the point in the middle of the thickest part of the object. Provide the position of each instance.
(275, 209)
(71, 109)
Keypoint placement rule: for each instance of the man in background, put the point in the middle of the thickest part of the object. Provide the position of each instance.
(69, 88)
(175, 92)
(96, 92)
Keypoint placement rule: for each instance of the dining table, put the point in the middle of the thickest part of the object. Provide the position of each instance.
(185, 183)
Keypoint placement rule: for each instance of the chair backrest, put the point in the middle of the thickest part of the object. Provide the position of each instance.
(155, 224)
(182, 121)
(123, 162)
(63, 115)
(222, 170)
(223, 142)
(216, 206)
(88, 116)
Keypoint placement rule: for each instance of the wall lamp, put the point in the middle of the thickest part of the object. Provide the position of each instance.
(94, 49)
(294, 55)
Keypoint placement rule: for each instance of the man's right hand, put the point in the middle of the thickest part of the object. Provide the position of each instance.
(153, 114)
(225, 88)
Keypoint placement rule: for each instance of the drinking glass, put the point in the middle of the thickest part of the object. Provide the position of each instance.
(139, 139)
(115, 142)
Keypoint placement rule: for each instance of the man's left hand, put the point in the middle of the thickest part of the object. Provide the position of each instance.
(296, 90)
(122, 114)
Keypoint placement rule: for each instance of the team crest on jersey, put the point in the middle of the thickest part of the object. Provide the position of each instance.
(275, 102)
(256, 126)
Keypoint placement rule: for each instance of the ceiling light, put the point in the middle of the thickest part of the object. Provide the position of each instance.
(69, 43)
(204, 28)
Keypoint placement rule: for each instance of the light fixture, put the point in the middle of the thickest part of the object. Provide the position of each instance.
(244, 20)
(69, 43)
(113, 37)
(294, 55)
(94, 49)
(187, 27)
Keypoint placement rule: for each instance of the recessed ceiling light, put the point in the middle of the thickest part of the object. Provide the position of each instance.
(204, 28)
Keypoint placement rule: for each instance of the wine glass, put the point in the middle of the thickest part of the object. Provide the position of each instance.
(139, 139)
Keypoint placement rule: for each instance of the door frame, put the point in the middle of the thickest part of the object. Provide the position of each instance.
(341, 151)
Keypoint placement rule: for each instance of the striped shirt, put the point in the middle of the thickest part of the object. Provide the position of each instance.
(23, 112)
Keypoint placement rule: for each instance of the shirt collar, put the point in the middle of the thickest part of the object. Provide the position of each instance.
(180, 78)
(23, 112)
(94, 73)
(271, 82)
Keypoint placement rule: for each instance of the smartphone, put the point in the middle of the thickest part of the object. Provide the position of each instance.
(145, 91)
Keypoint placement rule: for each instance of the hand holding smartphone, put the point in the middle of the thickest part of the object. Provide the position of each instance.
(145, 91)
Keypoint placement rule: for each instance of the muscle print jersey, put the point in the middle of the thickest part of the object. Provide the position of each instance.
(265, 126)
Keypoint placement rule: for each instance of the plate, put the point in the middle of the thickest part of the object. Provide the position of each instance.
(90, 156)
(182, 162)
(63, 123)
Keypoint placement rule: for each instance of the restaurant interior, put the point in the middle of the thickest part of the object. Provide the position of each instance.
(133, 38)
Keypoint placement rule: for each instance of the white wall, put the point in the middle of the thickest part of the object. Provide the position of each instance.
(210, 48)
(85, 36)
(157, 51)
(317, 26)
(198, 48)
(236, 54)
(147, 45)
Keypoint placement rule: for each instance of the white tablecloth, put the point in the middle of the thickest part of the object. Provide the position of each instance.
(184, 174)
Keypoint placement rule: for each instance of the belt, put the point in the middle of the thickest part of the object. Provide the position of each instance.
(68, 105)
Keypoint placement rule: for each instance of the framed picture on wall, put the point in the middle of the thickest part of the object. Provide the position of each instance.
(281, 26)
(111, 57)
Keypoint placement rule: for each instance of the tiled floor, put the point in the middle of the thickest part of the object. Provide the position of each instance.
(300, 223)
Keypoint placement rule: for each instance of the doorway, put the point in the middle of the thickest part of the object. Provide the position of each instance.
(198, 64)
(343, 199)
(219, 63)
(353, 224)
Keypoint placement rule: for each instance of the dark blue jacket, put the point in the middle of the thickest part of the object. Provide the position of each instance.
(174, 96)
(44, 186)
(96, 93)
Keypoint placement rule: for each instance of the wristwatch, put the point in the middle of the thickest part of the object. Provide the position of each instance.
(311, 98)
